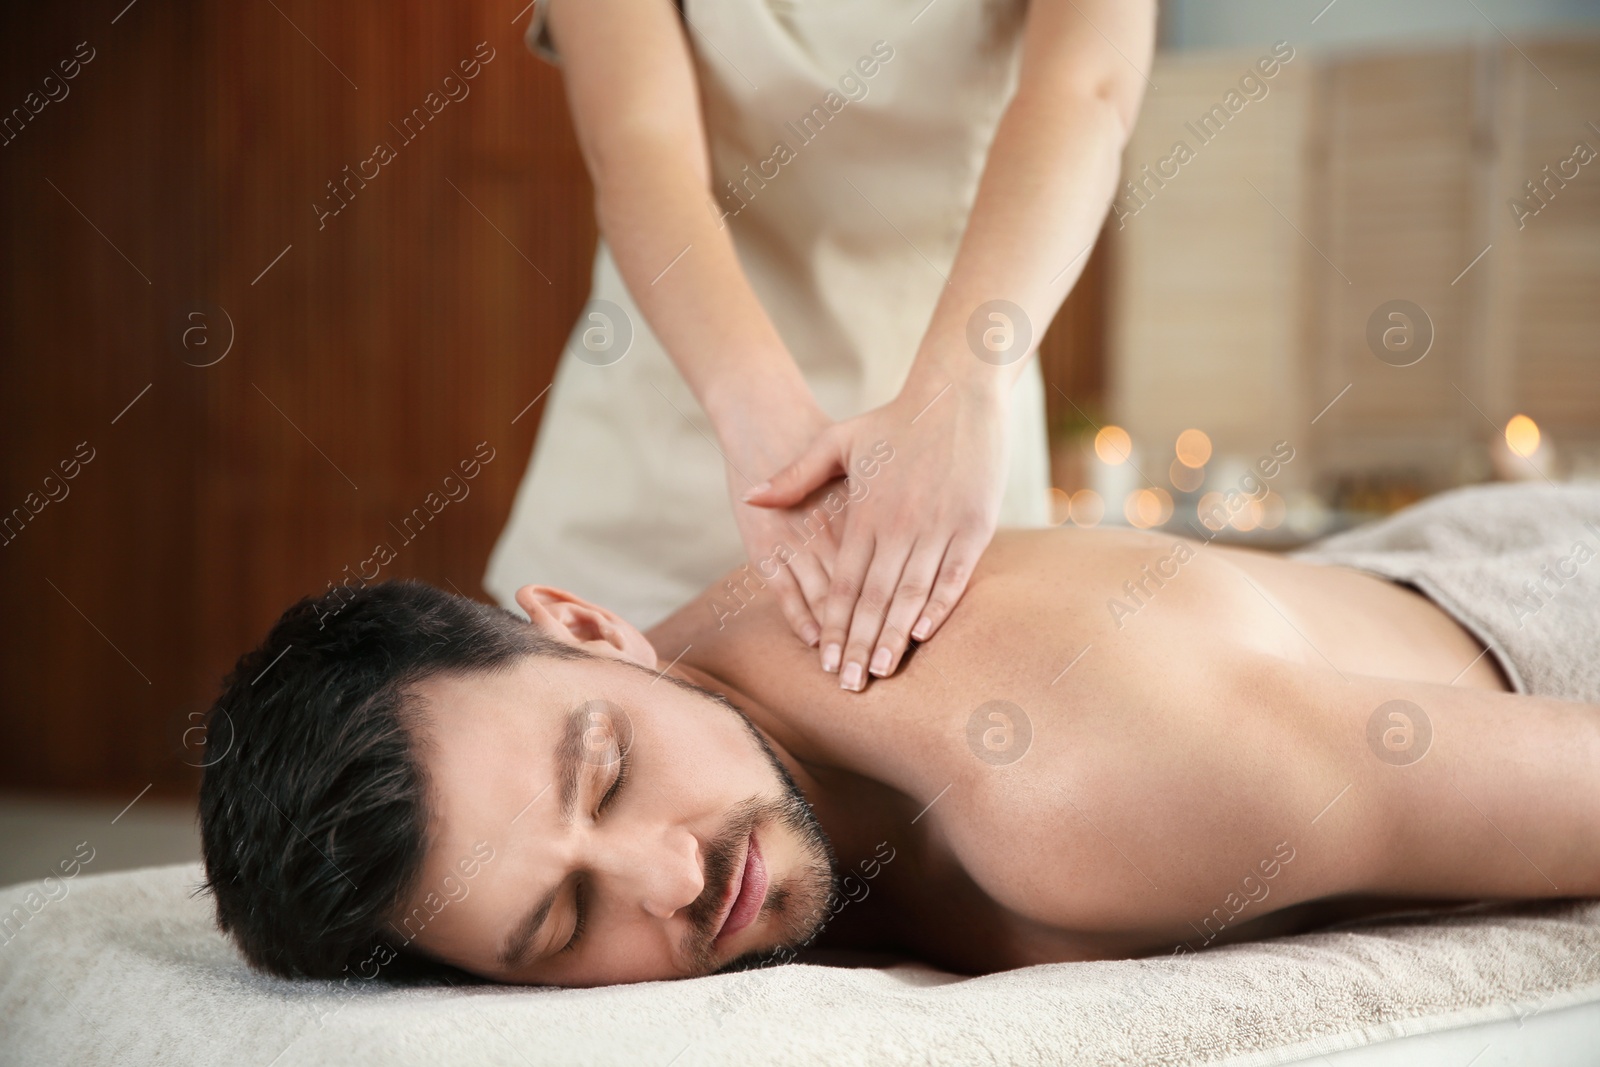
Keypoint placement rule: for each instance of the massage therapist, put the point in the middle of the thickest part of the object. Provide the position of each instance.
(832, 233)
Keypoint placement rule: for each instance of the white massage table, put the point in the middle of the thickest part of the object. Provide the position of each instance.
(128, 969)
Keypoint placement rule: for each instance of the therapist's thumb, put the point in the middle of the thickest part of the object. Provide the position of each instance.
(817, 465)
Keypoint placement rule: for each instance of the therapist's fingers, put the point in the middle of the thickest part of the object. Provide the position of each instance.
(910, 600)
(849, 572)
(792, 602)
(819, 464)
(866, 621)
(813, 579)
(954, 574)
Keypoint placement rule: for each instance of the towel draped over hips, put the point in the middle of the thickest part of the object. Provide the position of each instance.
(1518, 565)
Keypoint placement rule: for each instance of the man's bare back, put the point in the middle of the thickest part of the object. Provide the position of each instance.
(1119, 744)
(1184, 752)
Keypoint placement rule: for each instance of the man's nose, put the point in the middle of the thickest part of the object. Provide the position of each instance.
(661, 871)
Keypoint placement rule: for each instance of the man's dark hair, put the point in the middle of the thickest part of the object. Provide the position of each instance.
(313, 811)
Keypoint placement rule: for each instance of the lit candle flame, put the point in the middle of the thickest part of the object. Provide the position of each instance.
(1522, 435)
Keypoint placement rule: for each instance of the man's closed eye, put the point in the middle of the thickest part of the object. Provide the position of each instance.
(578, 892)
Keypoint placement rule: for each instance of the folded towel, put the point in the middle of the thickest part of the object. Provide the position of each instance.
(128, 969)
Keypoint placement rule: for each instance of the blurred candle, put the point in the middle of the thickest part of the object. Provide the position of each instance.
(1522, 453)
(1522, 435)
(1193, 448)
(1114, 475)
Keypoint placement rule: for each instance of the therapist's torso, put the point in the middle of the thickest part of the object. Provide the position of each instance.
(847, 139)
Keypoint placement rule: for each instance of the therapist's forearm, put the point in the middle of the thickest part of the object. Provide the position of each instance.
(1051, 172)
(682, 269)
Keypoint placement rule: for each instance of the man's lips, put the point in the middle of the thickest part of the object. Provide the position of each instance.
(747, 892)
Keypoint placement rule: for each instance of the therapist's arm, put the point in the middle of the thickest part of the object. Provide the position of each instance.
(635, 105)
(1050, 176)
(910, 545)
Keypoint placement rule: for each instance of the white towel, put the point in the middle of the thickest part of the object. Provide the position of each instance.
(128, 969)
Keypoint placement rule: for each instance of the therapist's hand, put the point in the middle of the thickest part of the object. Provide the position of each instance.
(787, 548)
(911, 541)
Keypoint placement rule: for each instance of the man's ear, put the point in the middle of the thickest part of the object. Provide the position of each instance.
(574, 621)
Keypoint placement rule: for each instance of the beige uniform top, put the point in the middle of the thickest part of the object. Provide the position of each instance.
(864, 125)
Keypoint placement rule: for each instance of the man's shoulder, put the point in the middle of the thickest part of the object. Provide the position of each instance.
(738, 608)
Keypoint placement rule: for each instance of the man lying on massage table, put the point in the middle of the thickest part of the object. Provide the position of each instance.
(1249, 746)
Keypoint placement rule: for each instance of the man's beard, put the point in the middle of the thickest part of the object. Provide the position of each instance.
(799, 903)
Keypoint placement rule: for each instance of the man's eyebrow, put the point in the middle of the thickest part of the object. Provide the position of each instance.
(569, 749)
(517, 943)
(568, 763)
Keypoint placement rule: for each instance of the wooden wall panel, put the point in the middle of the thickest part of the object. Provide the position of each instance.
(1551, 293)
(1399, 140)
(1391, 177)
(1209, 269)
(104, 193)
(386, 344)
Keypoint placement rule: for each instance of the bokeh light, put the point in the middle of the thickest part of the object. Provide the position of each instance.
(1087, 508)
(1194, 448)
(1148, 507)
(1186, 479)
(1113, 445)
(1522, 435)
